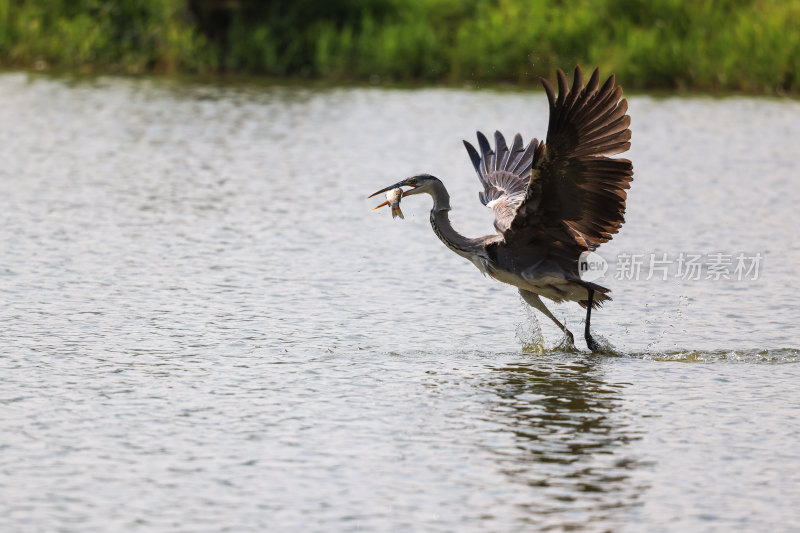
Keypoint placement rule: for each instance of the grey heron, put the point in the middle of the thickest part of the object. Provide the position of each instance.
(552, 200)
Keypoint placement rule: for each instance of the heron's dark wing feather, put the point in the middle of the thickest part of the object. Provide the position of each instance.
(504, 173)
(575, 197)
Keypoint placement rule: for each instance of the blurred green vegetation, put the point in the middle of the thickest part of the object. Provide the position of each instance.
(747, 45)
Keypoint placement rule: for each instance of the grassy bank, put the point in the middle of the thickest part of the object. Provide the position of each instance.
(747, 45)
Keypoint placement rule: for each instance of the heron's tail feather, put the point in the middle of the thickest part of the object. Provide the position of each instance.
(600, 295)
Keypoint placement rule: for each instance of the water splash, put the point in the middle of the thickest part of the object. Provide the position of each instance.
(606, 348)
(672, 318)
(565, 345)
(776, 356)
(529, 332)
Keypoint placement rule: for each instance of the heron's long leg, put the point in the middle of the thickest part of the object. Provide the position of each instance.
(590, 342)
(532, 299)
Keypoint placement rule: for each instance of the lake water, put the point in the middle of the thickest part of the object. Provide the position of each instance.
(204, 327)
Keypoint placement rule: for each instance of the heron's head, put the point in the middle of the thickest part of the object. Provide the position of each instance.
(418, 184)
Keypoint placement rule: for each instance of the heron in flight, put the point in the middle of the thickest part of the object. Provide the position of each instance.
(552, 200)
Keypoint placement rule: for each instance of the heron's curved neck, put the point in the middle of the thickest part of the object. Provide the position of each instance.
(440, 222)
(441, 198)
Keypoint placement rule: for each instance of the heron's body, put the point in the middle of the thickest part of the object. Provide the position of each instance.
(542, 275)
(551, 201)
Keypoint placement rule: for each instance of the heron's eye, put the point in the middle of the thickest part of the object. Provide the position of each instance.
(413, 181)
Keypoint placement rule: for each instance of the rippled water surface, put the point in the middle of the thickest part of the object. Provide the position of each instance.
(204, 328)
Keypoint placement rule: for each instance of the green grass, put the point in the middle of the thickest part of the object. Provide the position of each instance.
(745, 45)
(127, 35)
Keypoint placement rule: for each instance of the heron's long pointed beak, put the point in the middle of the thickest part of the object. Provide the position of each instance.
(389, 188)
(396, 185)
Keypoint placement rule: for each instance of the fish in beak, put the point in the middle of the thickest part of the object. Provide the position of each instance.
(394, 193)
(393, 197)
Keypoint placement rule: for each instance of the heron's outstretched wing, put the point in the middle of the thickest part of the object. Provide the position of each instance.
(504, 174)
(575, 198)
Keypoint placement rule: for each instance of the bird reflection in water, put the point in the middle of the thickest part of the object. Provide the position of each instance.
(567, 440)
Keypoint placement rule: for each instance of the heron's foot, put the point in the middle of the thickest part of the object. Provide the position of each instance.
(568, 341)
(593, 345)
